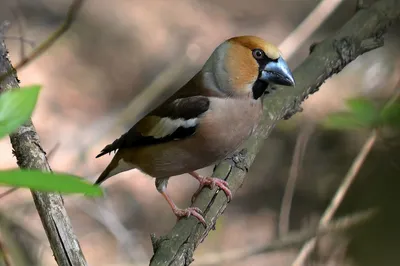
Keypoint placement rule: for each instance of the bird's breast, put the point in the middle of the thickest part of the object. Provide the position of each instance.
(222, 129)
(227, 125)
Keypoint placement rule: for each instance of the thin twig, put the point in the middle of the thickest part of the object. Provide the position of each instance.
(298, 155)
(18, 18)
(21, 39)
(344, 187)
(291, 240)
(349, 179)
(339, 196)
(308, 26)
(288, 241)
(8, 192)
(106, 215)
(53, 151)
(4, 254)
(49, 156)
(44, 46)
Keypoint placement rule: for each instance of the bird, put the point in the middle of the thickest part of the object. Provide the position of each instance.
(204, 121)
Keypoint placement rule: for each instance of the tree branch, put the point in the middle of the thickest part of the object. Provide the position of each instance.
(364, 32)
(30, 155)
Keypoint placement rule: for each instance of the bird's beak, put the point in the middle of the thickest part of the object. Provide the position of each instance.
(277, 72)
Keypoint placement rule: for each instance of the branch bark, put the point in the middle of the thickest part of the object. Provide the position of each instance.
(30, 155)
(363, 33)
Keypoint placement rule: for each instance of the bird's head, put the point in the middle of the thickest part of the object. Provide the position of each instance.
(244, 66)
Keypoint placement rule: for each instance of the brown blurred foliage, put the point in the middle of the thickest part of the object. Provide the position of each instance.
(116, 49)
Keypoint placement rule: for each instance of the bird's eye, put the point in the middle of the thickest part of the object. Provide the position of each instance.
(258, 54)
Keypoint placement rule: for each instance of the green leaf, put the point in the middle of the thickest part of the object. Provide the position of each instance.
(16, 107)
(49, 182)
(364, 111)
(390, 116)
(342, 120)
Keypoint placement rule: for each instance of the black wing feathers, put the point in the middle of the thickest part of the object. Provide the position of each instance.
(184, 108)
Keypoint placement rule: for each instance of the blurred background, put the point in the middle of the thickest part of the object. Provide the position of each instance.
(113, 57)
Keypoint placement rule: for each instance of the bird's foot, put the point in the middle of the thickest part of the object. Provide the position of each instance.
(196, 212)
(211, 182)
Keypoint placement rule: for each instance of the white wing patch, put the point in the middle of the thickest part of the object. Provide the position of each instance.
(166, 126)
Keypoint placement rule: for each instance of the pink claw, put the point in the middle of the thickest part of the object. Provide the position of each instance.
(196, 212)
(212, 182)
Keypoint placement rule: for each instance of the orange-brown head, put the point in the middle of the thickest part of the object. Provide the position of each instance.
(244, 66)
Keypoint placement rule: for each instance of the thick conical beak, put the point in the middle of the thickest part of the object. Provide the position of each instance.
(277, 72)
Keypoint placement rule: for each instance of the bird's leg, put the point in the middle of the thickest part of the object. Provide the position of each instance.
(161, 185)
(211, 182)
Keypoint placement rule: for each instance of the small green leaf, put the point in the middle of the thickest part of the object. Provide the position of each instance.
(342, 120)
(390, 116)
(364, 111)
(16, 107)
(49, 182)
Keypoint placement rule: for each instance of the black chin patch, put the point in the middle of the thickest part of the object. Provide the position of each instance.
(259, 88)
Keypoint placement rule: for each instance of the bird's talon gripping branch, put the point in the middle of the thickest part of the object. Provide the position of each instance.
(196, 212)
(211, 182)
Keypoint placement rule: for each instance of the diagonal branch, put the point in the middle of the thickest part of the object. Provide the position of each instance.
(30, 155)
(364, 32)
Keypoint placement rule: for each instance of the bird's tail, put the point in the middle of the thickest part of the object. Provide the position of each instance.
(116, 166)
(108, 172)
(104, 175)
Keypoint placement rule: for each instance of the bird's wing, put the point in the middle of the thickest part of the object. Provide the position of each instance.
(171, 121)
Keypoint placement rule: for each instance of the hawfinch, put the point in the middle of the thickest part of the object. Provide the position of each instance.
(203, 122)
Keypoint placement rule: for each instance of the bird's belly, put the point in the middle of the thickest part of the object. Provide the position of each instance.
(187, 155)
(206, 147)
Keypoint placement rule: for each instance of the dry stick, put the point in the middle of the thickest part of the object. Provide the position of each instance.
(49, 156)
(339, 196)
(361, 34)
(21, 39)
(44, 46)
(308, 26)
(298, 155)
(8, 192)
(349, 179)
(4, 254)
(290, 240)
(18, 18)
(344, 187)
(288, 47)
(105, 215)
(30, 155)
